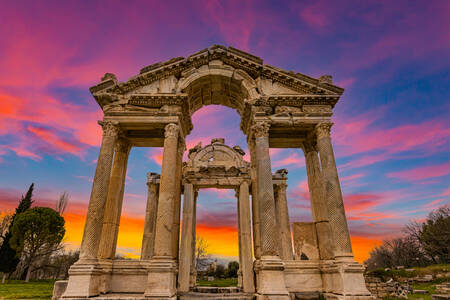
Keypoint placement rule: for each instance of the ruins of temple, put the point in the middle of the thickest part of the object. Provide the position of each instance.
(278, 109)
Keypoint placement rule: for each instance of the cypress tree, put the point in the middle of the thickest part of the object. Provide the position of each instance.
(9, 258)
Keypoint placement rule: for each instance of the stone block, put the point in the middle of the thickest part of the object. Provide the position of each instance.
(59, 288)
(305, 240)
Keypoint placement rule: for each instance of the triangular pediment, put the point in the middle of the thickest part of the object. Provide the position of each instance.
(164, 77)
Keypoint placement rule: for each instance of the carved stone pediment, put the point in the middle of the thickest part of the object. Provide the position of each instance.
(216, 159)
(218, 75)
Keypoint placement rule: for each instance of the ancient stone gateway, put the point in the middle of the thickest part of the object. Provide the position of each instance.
(278, 109)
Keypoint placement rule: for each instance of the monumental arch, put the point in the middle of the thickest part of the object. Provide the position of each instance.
(278, 109)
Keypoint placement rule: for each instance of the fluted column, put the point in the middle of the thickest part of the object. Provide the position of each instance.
(96, 210)
(177, 202)
(246, 261)
(148, 239)
(110, 231)
(185, 259)
(333, 192)
(319, 205)
(266, 200)
(255, 203)
(283, 222)
(167, 191)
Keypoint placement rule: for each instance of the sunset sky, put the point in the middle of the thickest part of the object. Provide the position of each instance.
(392, 124)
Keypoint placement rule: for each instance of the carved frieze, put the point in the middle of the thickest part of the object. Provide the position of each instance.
(317, 108)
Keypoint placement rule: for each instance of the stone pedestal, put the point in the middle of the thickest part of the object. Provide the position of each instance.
(161, 283)
(344, 280)
(270, 279)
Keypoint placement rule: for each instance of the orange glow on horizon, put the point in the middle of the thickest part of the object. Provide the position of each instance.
(222, 241)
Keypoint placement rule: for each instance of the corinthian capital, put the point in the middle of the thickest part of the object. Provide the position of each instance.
(110, 128)
(122, 145)
(171, 130)
(261, 129)
(323, 129)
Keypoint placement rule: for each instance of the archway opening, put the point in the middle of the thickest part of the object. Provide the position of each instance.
(217, 245)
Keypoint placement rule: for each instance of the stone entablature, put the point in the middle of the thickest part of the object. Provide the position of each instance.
(217, 75)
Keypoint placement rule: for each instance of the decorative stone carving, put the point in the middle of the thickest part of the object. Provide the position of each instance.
(261, 129)
(280, 109)
(109, 76)
(109, 128)
(317, 109)
(323, 130)
(326, 79)
(239, 150)
(171, 130)
(218, 141)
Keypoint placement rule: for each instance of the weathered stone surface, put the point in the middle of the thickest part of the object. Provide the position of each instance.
(305, 240)
(278, 109)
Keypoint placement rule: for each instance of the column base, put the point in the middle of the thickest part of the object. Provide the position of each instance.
(270, 283)
(343, 278)
(161, 284)
(85, 279)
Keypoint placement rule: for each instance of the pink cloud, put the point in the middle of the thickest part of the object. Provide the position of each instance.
(360, 136)
(42, 124)
(156, 154)
(421, 173)
(52, 139)
(445, 193)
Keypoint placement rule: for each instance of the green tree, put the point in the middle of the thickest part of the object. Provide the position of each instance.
(220, 271)
(9, 258)
(435, 235)
(37, 233)
(233, 267)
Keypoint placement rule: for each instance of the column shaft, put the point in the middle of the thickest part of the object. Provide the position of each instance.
(185, 259)
(110, 231)
(266, 201)
(255, 204)
(96, 210)
(246, 265)
(283, 222)
(148, 239)
(167, 190)
(318, 202)
(333, 192)
(193, 277)
(177, 203)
